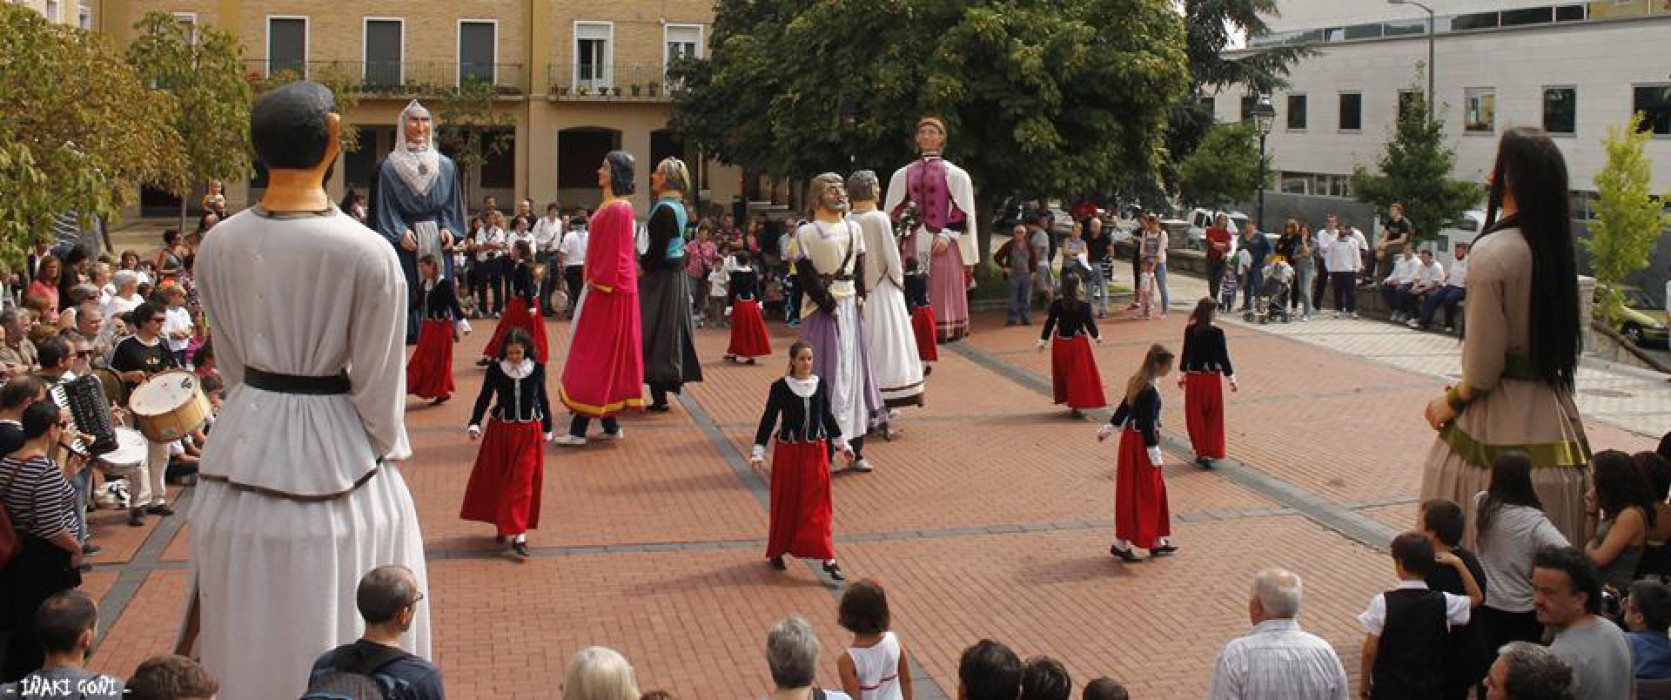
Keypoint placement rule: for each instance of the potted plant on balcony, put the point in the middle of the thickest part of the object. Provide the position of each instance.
(636, 89)
(583, 89)
(561, 90)
(655, 88)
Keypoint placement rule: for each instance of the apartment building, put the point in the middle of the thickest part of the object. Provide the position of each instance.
(83, 14)
(573, 79)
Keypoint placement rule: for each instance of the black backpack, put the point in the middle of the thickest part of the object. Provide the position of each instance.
(354, 674)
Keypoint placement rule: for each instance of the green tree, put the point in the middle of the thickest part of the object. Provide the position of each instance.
(1415, 170)
(470, 129)
(1629, 220)
(202, 69)
(79, 132)
(1224, 168)
(1040, 98)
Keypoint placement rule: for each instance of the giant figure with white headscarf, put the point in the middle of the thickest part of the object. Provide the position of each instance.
(419, 209)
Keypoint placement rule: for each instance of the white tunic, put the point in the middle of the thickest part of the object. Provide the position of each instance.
(893, 345)
(311, 295)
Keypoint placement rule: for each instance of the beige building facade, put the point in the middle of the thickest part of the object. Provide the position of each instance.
(574, 80)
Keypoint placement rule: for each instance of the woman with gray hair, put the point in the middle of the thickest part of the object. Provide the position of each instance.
(792, 655)
(599, 673)
(670, 359)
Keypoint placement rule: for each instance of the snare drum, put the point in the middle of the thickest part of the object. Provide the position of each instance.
(169, 405)
(130, 452)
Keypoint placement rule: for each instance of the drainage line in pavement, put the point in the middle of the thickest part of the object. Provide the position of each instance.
(1355, 526)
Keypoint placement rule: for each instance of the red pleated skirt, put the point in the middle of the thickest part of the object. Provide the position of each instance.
(1204, 413)
(801, 511)
(1141, 514)
(429, 374)
(1074, 379)
(922, 325)
(504, 487)
(748, 331)
(518, 314)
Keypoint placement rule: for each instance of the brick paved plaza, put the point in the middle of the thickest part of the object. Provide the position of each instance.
(990, 517)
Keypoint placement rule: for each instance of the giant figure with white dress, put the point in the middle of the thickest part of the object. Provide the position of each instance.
(893, 346)
(299, 495)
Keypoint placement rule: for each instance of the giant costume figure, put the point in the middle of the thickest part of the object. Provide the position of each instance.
(419, 207)
(893, 347)
(829, 256)
(944, 240)
(298, 495)
(670, 359)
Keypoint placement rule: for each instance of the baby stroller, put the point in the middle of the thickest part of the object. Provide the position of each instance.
(1271, 298)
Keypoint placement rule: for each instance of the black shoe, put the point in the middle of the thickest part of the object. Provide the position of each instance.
(90, 549)
(136, 517)
(1076, 414)
(660, 407)
(439, 400)
(498, 539)
(160, 509)
(521, 548)
(834, 570)
(1125, 555)
(777, 563)
(1161, 550)
(483, 362)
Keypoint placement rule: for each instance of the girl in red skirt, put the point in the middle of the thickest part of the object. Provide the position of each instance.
(524, 309)
(1141, 516)
(429, 374)
(1204, 360)
(922, 315)
(504, 487)
(1074, 379)
(801, 514)
(748, 325)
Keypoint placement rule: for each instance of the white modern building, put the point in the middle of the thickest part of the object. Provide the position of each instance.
(1572, 68)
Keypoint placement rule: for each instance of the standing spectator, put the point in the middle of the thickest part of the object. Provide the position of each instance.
(1205, 359)
(74, 273)
(45, 286)
(1510, 529)
(572, 255)
(548, 238)
(525, 214)
(1258, 247)
(1449, 296)
(1619, 512)
(354, 205)
(1568, 599)
(1044, 253)
(1528, 671)
(1305, 269)
(65, 626)
(1044, 678)
(701, 256)
(1277, 660)
(387, 598)
(171, 677)
(875, 666)
(491, 243)
(41, 504)
(792, 656)
(1647, 614)
(1099, 248)
(214, 200)
(171, 259)
(1291, 245)
(1076, 260)
(1397, 233)
(1016, 255)
(1155, 242)
(1467, 658)
(1142, 517)
(1406, 628)
(1342, 254)
(598, 673)
(1107, 689)
(177, 325)
(988, 670)
(1219, 242)
(1395, 289)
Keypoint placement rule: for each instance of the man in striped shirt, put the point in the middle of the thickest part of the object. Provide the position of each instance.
(1277, 661)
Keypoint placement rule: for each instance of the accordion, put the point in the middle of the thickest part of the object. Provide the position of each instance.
(89, 414)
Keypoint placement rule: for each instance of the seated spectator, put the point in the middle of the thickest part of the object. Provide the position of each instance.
(1620, 512)
(656, 695)
(597, 673)
(1647, 613)
(1467, 658)
(171, 678)
(1527, 671)
(17, 351)
(1044, 678)
(792, 656)
(1406, 628)
(387, 598)
(1277, 660)
(65, 626)
(1510, 529)
(1567, 596)
(875, 666)
(988, 670)
(1656, 551)
(16, 395)
(1110, 689)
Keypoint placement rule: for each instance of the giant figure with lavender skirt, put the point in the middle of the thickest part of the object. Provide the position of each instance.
(944, 242)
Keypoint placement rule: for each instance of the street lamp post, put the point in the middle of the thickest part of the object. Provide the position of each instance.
(1430, 29)
(1264, 117)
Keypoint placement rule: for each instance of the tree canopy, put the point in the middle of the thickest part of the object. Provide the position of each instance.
(1224, 168)
(1040, 98)
(1415, 169)
(1629, 220)
(83, 141)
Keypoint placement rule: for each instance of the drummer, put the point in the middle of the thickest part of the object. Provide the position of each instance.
(136, 359)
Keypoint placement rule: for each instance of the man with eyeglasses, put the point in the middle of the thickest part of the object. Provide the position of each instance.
(387, 598)
(135, 359)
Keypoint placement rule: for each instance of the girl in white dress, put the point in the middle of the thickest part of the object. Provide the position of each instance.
(875, 666)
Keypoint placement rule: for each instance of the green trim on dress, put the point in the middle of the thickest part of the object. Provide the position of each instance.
(1564, 453)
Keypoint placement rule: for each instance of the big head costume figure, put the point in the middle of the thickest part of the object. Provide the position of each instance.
(944, 237)
(420, 210)
(298, 495)
(892, 344)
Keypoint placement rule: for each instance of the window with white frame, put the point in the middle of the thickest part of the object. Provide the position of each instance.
(187, 22)
(682, 41)
(1479, 110)
(84, 18)
(287, 45)
(593, 54)
(384, 49)
(478, 42)
(54, 11)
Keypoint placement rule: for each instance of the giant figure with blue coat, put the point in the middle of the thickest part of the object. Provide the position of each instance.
(419, 208)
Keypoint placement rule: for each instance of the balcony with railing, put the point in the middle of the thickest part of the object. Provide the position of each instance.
(391, 79)
(592, 81)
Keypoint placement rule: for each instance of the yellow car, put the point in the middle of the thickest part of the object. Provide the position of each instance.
(1638, 319)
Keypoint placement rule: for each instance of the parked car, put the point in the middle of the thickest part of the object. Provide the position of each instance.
(1202, 219)
(1638, 318)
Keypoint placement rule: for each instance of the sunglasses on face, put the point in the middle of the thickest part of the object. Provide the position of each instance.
(157, 319)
